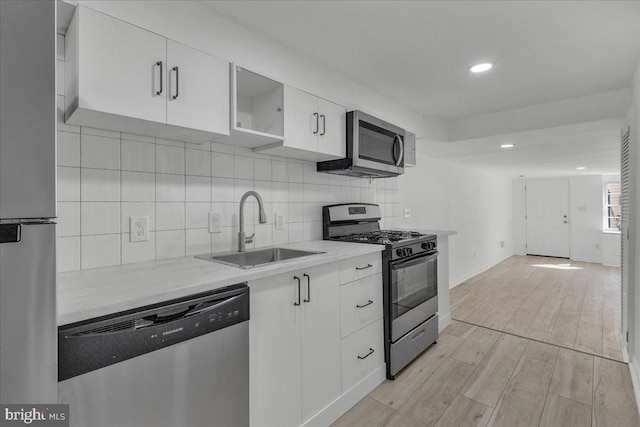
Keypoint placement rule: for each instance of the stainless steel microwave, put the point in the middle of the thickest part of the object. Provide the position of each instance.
(375, 148)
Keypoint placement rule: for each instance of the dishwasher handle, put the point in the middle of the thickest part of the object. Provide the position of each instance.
(169, 315)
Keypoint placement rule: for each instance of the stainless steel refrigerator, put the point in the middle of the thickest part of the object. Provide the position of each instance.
(28, 339)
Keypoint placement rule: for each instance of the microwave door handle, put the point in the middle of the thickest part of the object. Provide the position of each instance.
(398, 159)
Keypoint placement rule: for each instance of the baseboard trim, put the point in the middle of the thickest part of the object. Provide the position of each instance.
(481, 270)
(342, 404)
(635, 379)
(597, 261)
(443, 321)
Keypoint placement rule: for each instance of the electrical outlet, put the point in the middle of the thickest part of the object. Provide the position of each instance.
(139, 228)
(407, 213)
(214, 222)
(279, 221)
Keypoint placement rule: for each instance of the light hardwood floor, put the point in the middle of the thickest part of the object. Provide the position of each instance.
(533, 346)
(476, 376)
(566, 303)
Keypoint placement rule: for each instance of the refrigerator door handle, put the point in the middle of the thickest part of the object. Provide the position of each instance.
(10, 233)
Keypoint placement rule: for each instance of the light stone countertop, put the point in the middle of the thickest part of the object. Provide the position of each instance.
(86, 294)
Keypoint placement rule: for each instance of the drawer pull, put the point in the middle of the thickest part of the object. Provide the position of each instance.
(366, 355)
(416, 336)
(364, 268)
(364, 305)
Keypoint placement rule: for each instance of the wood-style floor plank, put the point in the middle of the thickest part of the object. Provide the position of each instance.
(613, 399)
(460, 329)
(395, 393)
(465, 412)
(431, 400)
(490, 379)
(566, 303)
(476, 346)
(560, 411)
(367, 412)
(573, 376)
(523, 401)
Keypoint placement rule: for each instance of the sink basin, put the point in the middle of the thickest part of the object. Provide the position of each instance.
(256, 258)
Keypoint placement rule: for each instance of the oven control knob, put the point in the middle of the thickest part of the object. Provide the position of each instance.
(425, 246)
(399, 252)
(409, 251)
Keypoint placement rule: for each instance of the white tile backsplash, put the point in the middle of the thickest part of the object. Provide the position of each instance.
(68, 149)
(99, 152)
(99, 185)
(99, 218)
(105, 177)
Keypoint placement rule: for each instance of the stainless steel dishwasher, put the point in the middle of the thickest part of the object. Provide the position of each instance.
(182, 363)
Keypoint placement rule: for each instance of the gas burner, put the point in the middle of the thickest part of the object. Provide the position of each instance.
(382, 236)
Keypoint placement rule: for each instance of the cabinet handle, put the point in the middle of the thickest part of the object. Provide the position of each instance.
(324, 125)
(308, 287)
(317, 123)
(364, 268)
(159, 64)
(298, 279)
(177, 70)
(362, 306)
(366, 355)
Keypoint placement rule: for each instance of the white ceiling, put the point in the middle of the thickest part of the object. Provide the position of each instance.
(418, 53)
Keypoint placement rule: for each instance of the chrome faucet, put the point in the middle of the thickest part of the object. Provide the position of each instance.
(242, 241)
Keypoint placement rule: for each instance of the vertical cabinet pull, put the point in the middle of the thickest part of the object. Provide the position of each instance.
(324, 124)
(298, 279)
(308, 288)
(159, 64)
(317, 116)
(177, 70)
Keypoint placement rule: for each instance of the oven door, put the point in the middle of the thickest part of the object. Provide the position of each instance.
(413, 292)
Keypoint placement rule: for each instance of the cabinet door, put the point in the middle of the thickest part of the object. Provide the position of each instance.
(274, 337)
(332, 140)
(321, 380)
(197, 89)
(117, 71)
(301, 119)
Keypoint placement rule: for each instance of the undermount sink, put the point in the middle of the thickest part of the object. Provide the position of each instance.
(256, 258)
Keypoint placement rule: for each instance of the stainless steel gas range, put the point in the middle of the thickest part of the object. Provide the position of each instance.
(410, 278)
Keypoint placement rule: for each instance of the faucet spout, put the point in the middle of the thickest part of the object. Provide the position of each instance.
(262, 218)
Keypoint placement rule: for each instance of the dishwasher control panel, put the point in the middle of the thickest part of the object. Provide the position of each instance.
(96, 343)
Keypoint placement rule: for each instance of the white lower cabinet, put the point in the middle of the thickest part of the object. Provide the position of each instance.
(295, 349)
(362, 353)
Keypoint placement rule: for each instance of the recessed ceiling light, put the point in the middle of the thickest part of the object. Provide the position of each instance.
(507, 145)
(481, 68)
(581, 168)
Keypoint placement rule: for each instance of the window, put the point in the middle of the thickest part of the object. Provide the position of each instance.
(612, 206)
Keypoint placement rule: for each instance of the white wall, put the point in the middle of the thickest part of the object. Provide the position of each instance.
(586, 212)
(476, 204)
(611, 249)
(634, 253)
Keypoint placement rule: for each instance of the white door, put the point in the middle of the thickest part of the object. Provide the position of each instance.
(274, 359)
(547, 217)
(332, 140)
(301, 120)
(197, 89)
(119, 68)
(320, 340)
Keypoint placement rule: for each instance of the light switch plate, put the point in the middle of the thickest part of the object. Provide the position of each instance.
(214, 222)
(139, 228)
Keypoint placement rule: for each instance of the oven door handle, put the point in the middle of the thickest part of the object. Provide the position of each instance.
(414, 261)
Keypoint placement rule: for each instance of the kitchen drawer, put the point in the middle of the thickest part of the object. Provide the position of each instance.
(362, 353)
(358, 267)
(360, 303)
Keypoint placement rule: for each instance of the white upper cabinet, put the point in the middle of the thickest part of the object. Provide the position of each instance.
(197, 90)
(314, 128)
(122, 77)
